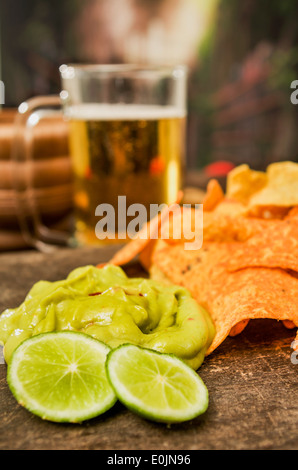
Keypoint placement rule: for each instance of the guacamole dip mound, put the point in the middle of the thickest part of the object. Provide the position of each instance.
(108, 305)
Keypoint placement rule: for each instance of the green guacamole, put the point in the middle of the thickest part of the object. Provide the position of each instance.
(115, 309)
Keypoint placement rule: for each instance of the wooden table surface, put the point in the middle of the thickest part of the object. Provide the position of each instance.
(252, 384)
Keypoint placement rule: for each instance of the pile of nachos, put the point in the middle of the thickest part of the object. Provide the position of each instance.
(247, 266)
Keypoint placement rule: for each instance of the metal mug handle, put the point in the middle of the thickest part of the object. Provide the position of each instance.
(34, 231)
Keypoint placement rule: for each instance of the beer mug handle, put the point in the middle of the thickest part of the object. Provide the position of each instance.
(34, 231)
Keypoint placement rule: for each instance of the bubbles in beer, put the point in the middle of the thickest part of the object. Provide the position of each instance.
(123, 150)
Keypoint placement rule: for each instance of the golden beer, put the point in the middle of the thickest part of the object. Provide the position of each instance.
(123, 150)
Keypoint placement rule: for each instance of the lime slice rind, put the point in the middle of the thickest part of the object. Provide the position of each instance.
(175, 393)
(71, 377)
(65, 392)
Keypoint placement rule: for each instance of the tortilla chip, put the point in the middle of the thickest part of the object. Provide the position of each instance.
(249, 294)
(145, 256)
(292, 213)
(267, 212)
(289, 324)
(239, 327)
(218, 225)
(230, 298)
(265, 194)
(281, 189)
(213, 195)
(183, 226)
(144, 236)
(222, 226)
(274, 247)
(242, 183)
(229, 207)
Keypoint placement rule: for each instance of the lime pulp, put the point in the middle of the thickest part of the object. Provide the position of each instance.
(157, 386)
(61, 376)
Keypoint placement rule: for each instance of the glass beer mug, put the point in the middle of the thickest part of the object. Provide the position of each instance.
(126, 138)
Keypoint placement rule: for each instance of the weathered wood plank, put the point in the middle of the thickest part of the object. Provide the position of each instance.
(252, 384)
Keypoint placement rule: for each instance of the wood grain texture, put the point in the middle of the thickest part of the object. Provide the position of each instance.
(252, 384)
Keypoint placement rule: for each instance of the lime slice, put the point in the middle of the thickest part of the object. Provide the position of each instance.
(158, 386)
(61, 376)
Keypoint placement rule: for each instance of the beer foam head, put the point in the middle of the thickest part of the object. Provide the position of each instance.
(127, 112)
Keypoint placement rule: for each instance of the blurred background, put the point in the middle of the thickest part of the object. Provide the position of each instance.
(242, 58)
